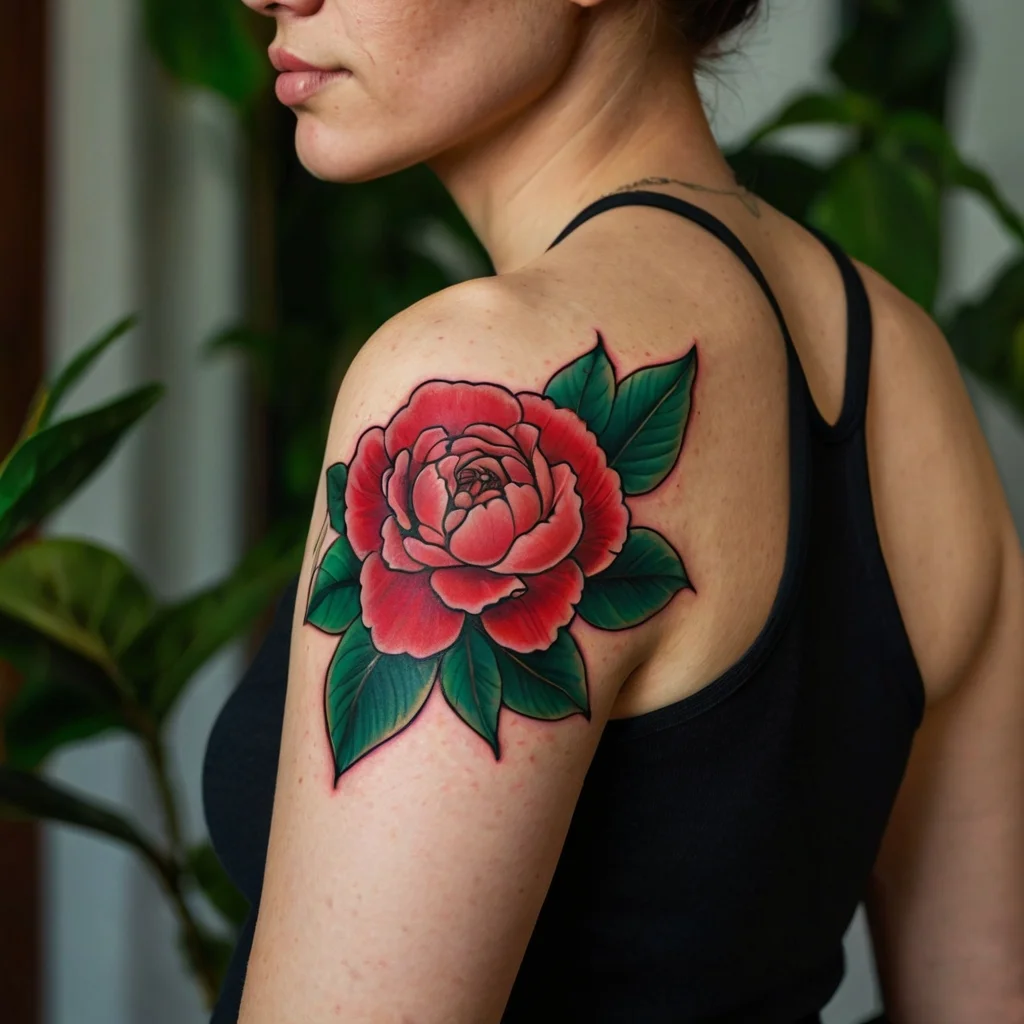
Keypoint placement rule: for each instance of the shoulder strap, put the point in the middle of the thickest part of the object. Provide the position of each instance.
(859, 333)
(691, 212)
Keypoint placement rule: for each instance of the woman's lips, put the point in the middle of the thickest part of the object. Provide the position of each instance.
(299, 79)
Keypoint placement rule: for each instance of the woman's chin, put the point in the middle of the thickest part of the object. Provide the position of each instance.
(342, 157)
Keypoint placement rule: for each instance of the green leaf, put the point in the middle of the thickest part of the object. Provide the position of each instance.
(648, 423)
(371, 696)
(587, 387)
(816, 108)
(986, 334)
(80, 364)
(644, 577)
(886, 214)
(337, 478)
(182, 637)
(25, 794)
(472, 686)
(906, 129)
(48, 467)
(549, 684)
(218, 888)
(334, 601)
(208, 43)
(77, 594)
(45, 716)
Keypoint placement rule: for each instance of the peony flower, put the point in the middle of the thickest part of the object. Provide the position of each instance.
(476, 501)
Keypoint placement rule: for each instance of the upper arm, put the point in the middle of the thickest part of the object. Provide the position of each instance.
(445, 694)
(947, 898)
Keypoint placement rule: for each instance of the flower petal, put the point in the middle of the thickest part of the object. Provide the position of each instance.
(527, 436)
(525, 505)
(398, 490)
(565, 438)
(542, 474)
(403, 613)
(428, 554)
(531, 621)
(486, 534)
(430, 498)
(365, 505)
(472, 590)
(489, 432)
(553, 539)
(452, 405)
(393, 552)
(429, 440)
(517, 471)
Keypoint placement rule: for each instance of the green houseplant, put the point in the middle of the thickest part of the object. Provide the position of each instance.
(98, 653)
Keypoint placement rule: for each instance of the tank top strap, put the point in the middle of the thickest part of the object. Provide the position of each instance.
(859, 334)
(717, 227)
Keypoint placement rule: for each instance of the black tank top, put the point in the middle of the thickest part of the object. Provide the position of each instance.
(721, 844)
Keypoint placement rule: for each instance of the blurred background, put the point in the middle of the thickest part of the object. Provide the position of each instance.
(159, 471)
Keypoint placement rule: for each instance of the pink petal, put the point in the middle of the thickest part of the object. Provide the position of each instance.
(428, 554)
(430, 535)
(365, 506)
(393, 552)
(542, 473)
(524, 502)
(517, 471)
(473, 445)
(446, 468)
(472, 590)
(553, 539)
(429, 439)
(430, 498)
(531, 621)
(526, 435)
(403, 613)
(454, 519)
(398, 490)
(485, 535)
(489, 432)
(452, 405)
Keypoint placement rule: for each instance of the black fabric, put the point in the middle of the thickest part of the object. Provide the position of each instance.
(720, 844)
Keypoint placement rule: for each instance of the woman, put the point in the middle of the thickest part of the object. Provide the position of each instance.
(660, 601)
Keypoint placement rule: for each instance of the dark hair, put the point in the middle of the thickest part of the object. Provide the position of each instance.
(705, 23)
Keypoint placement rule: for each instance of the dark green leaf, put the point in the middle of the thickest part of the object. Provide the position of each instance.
(182, 637)
(648, 423)
(886, 213)
(644, 577)
(23, 793)
(334, 602)
(587, 386)
(48, 467)
(547, 684)
(211, 877)
(472, 685)
(77, 594)
(988, 335)
(337, 478)
(838, 108)
(80, 364)
(46, 716)
(371, 696)
(208, 43)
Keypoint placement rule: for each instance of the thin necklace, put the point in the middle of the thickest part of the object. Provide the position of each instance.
(747, 198)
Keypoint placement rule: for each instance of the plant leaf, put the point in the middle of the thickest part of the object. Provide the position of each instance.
(334, 601)
(886, 213)
(337, 478)
(182, 637)
(45, 716)
(78, 594)
(80, 363)
(648, 422)
(790, 183)
(218, 888)
(587, 387)
(371, 696)
(207, 43)
(472, 685)
(819, 108)
(644, 577)
(48, 467)
(26, 794)
(549, 684)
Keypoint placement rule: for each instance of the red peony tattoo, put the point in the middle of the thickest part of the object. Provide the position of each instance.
(474, 526)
